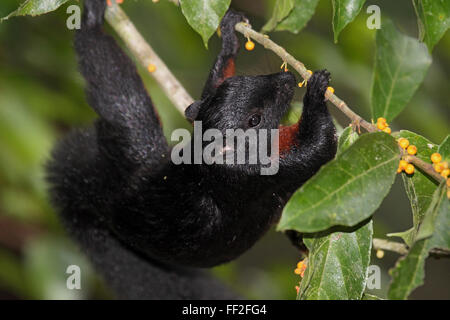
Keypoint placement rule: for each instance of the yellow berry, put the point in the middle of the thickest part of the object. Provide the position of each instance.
(300, 84)
(380, 254)
(151, 68)
(444, 164)
(387, 130)
(249, 45)
(412, 149)
(300, 264)
(298, 271)
(436, 157)
(403, 143)
(445, 173)
(381, 125)
(331, 89)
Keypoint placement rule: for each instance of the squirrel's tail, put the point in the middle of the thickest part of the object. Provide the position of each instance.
(131, 276)
(77, 175)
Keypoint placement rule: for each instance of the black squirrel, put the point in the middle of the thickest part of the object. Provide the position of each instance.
(148, 225)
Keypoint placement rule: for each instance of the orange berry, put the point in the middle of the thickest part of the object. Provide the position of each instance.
(403, 143)
(309, 71)
(387, 130)
(300, 84)
(382, 120)
(249, 45)
(298, 271)
(445, 173)
(412, 149)
(380, 254)
(438, 167)
(436, 157)
(409, 169)
(381, 125)
(331, 89)
(448, 183)
(151, 68)
(445, 164)
(402, 165)
(300, 264)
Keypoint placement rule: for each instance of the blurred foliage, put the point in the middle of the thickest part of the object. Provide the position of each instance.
(41, 98)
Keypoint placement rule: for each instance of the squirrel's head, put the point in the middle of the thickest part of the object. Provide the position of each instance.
(244, 102)
(248, 105)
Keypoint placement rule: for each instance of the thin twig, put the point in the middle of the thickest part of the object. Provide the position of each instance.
(144, 53)
(402, 249)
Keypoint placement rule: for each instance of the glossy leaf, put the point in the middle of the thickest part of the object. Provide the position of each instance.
(419, 187)
(344, 11)
(401, 63)
(204, 15)
(299, 16)
(433, 18)
(346, 139)
(280, 11)
(409, 273)
(348, 189)
(337, 265)
(35, 7)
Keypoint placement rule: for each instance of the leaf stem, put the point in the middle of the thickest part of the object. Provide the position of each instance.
(402, 249)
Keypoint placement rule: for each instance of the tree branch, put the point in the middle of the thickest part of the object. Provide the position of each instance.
(144, 53)
(402, 249)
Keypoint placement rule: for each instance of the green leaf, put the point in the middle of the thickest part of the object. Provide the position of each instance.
(348, 189)
(433, 18)
(344, 11)
(280, 11)
(204, 15)
(299, 16)
(444, 149)
(346, 139)
(408, 272)
(401, 63)
(440, 230)
(337, 265)
(419, 187)
(35, 7)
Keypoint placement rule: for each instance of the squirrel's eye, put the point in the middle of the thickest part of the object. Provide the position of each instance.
(254, 120)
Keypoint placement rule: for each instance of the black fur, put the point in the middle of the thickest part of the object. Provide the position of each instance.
(146, 223)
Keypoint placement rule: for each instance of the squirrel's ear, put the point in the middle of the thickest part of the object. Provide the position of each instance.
(192, 111)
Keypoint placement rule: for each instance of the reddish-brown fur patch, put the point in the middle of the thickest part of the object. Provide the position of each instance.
(287, 137)
(228, 71)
